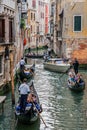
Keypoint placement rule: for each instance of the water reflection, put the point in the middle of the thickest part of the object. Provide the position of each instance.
(35, 126)
(62, 108)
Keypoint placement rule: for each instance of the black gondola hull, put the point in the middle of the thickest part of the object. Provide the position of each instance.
(34, 56)
(30, 115)
(77, 88)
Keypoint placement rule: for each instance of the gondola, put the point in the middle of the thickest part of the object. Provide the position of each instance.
(34, 56)
(32, 110)
(77, 87)
(27, 72)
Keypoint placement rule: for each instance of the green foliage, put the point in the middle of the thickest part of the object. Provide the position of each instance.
(22, 24)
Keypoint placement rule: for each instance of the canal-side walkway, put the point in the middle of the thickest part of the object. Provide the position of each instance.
(2, 100)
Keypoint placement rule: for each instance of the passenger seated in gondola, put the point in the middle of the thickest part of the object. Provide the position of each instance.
(79, 79)
(33, 100)
(75, 79)
(59, 62)
(26, 71)
(30, 98)
(71, 79)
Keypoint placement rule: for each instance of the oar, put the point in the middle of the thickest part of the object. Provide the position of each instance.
(65, 72)
(40, 116)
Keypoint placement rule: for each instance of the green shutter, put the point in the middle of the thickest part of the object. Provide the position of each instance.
(77, 23)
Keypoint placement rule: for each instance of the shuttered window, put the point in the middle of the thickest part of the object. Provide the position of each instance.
(2, 30)
(77, 23)
(10, 31)
(0, 63)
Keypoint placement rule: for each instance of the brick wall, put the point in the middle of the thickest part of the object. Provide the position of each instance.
(81, 53)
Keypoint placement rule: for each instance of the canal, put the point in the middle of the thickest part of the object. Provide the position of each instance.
(62, 109)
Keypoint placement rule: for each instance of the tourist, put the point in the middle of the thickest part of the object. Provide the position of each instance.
(79, 79)
(71, 79)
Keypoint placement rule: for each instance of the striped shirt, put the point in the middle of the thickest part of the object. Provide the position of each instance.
(24, 89)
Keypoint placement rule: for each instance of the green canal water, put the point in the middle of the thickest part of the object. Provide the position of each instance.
(62, 109)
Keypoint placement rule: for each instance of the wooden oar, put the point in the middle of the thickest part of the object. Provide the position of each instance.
(40, 116)
(65, 72)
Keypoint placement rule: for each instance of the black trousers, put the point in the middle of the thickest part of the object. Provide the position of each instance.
(76, 70)
(23, 102)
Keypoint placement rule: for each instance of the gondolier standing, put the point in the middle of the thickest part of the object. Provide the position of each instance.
(75, 65)
(24, 91)
(22, 63)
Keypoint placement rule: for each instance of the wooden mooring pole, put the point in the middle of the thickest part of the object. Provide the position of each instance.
(12, 78)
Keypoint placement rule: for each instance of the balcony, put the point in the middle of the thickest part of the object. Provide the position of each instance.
(7, 7)
(8, 3)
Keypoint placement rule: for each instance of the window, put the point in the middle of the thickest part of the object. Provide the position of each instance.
(39, 2)
(10, 31)
(0, 63)
(2, 30)
(43, 15)
(24, 1)
(34, 16)
(52, 10)
(77, 23)
(31, 28)
(31, 16)
(34, 3)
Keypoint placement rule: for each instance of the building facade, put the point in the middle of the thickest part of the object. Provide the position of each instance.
(70, 27)
(7, 39)
(38, 19)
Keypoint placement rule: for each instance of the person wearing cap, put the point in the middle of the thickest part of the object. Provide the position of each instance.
(24, 90)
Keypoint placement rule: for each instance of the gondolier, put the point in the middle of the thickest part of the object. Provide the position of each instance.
(32, 109)
(24, 91)
(75, 65)
(22, 63)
